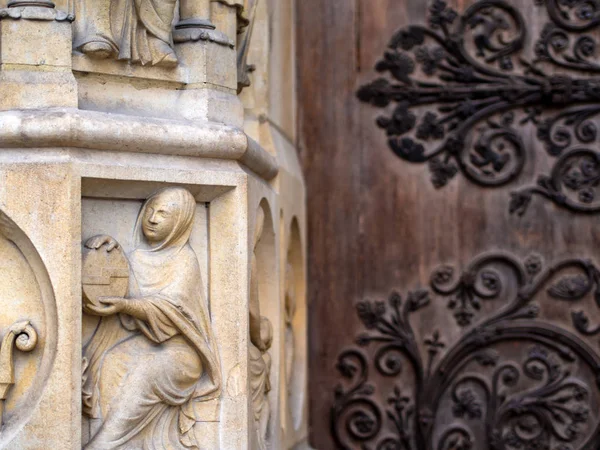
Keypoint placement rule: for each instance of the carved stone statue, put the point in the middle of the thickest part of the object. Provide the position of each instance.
(260, 384)
(261, 337)
(153, 353)
(139, 31)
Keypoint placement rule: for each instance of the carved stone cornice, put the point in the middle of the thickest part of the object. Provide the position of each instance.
(73, 128)
(40, 3)
(460, 93)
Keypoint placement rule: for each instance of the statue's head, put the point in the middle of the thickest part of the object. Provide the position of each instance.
(159, 218)
(167, 217)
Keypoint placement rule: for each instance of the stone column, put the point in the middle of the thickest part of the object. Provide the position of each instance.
(142, 231)
(35, 56)
(40, 199)
(194, 14)
(269, 103)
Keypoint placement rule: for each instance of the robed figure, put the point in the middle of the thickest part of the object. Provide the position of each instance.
(261, 339)
(153, 353)
(139, 31)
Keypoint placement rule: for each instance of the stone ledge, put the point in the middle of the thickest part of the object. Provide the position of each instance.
(35, 13)
(76, 128)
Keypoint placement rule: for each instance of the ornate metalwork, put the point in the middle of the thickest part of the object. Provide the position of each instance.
(513, 380)
(460, 91)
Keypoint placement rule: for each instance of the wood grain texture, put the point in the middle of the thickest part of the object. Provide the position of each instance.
(376, 224)
(328, 124)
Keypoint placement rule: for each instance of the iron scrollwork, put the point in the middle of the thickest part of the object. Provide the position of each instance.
(460, 92)
(513, 380)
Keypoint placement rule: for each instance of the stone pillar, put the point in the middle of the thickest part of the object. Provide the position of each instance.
(41, 201)
(269, 103)
(35, 56)
(194, 14)
(145, 234)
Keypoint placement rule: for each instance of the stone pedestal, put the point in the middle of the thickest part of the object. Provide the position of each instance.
(108, 138)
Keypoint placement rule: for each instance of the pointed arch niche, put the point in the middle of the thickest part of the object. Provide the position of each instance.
(294, 310)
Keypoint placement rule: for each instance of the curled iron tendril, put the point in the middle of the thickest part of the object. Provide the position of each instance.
(457, 93)
(536, 393)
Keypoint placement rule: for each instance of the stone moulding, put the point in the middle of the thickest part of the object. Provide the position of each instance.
(202, 34)
(36, 13)
(116, 132)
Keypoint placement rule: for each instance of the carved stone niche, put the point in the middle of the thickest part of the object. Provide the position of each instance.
(83, 194)
(176, 297)
(265, 336)
(295, 364)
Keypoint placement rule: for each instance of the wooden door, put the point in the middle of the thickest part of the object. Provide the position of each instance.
(452, 166)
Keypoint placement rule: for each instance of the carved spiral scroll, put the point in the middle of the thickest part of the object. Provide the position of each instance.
(359, 416)
(23, 336)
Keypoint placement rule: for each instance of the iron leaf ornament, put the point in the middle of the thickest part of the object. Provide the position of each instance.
(458, 93)
(511, 379)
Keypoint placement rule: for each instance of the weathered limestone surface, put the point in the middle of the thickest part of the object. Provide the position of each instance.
(152, 226)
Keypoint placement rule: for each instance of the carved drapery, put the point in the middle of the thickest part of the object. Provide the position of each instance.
(261, 339)
(461, 90)
(143, 33)
(515, 380)
(157, 317)
(245, 29)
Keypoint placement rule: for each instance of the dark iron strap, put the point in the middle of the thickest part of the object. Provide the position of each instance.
(460, 92)
(513, 380)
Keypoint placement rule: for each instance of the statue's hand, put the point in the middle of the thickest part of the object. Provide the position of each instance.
(109, 306)
(96, 242)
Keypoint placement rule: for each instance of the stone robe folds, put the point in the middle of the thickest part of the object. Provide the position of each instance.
(142, 29)
(142, 376)
(139, 31)
(260, 385)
